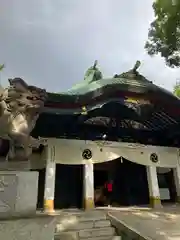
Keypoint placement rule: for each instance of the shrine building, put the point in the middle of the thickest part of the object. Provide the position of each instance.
(125, 129)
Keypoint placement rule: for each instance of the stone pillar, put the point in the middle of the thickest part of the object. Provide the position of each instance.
(154, 193)
(88, 186)
(50, 175)
(176, 173)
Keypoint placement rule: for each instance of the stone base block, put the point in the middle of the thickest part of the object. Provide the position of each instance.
(34, 228)
(18, 193)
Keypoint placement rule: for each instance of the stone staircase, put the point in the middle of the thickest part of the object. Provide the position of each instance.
(80, 225)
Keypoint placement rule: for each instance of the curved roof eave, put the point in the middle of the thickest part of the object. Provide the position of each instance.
(122, 83)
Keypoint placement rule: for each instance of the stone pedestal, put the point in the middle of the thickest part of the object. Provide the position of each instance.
(18, 193)
(18, 199)
(29, 228)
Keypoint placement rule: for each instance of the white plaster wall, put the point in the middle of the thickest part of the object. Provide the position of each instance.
(70, 152)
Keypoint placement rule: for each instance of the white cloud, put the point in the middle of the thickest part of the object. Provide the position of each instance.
(51, 43)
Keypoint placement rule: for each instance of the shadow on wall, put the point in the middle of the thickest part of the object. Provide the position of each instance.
(4, 147)
(41, 183)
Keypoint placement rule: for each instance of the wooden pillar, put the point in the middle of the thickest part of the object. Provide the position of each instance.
(50, 175)
(154, 193)
(88, 185)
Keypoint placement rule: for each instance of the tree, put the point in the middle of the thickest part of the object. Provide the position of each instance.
(176, 89)
(164, 32)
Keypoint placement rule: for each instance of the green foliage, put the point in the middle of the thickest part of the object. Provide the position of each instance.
(164, 32)
(176, 90)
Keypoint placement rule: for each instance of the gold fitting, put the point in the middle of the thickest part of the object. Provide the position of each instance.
(49, 205)
(89, 203)
(155, 202)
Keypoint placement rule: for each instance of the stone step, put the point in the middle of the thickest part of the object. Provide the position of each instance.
(66, 219)
(96, 232)
(80, 225)
(106, 233)
(116, 238)
(70, 225)
(102, 223)
(67, 236)
(86, 215)
(91, 216)
(105, 238)
(70, 237)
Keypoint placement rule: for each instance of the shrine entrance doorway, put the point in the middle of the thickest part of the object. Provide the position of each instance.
(130, 185)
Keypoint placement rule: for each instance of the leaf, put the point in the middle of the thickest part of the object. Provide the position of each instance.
(176, 90)
(164, 32)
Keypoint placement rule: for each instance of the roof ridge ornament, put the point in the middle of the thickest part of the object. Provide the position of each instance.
(136, 66)
(95, 64)
(133, 74)
(93, 73)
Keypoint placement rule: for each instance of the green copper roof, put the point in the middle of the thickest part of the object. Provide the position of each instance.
(84, 87)
(94, 80)
(94, 85)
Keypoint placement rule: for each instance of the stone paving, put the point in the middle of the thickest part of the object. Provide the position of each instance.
(75, 224)
(163, 223)
(160, 224)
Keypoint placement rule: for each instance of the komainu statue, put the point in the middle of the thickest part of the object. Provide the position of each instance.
(20, 106)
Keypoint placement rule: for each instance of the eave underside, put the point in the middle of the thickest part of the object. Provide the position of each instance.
(146, 125)
(150, 116)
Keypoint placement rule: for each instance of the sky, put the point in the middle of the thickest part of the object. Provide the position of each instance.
(51, 43)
